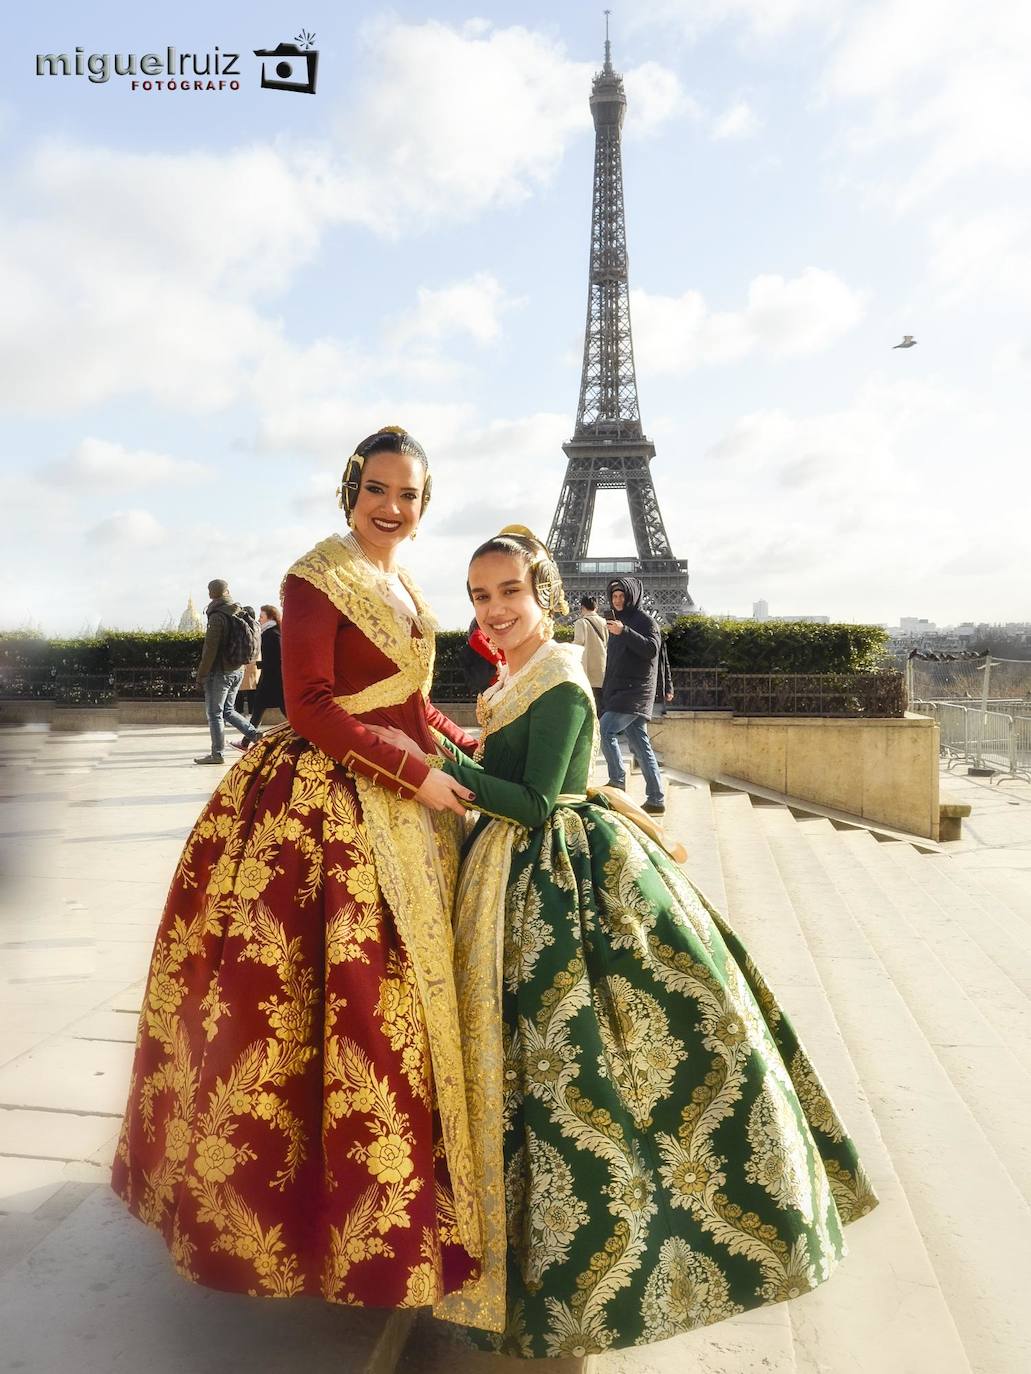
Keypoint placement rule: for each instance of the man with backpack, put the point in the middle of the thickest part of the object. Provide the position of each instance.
(232, 640)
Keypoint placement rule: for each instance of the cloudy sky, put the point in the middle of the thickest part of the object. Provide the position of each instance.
(208, 297)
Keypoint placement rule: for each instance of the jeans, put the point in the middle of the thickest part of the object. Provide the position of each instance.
(220, 691)
(635, 727)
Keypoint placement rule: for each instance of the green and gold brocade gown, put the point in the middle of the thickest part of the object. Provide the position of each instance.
(655, 1151)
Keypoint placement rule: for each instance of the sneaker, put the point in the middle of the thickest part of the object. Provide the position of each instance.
(654, 808)
(620, 785)
(210, 758)
(244, 744)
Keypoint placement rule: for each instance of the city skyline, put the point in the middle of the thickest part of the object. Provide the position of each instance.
(209, 298)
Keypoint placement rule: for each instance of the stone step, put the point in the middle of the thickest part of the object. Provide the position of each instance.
(1007, 892)
(997, 998)
(992, 1082)
(902, 1301)
(1004, 941)
(977, 1237)
(689, 819)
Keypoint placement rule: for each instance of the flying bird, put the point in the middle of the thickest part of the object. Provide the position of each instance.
(907, 342)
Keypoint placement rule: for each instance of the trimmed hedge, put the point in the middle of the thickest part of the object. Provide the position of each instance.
(152, 665)
(128, 664)
(135, 665)
(775, 646)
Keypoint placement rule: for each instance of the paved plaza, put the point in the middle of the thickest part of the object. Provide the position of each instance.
(91, 826)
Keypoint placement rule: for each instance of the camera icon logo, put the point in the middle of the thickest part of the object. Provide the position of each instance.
(291, 66)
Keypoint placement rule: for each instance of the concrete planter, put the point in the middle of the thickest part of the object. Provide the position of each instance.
(79, 718)
(885, 771)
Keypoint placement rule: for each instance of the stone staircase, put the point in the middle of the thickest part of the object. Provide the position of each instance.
(909, 984)
(908, 977)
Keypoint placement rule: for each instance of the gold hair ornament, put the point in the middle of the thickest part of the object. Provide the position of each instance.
(347, 491)
(544, 574)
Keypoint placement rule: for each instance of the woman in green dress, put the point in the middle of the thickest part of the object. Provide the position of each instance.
(655, 1151)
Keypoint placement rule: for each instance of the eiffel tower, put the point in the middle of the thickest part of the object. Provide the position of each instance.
(609, 450)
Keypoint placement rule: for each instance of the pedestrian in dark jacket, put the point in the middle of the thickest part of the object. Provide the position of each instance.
(628, 691)
(269, 691)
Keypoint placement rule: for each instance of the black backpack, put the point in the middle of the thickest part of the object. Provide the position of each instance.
(241, 642)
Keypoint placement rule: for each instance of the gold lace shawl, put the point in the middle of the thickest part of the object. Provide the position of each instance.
(561, 663)
(351, 585)
(416, 853)
(479, 949)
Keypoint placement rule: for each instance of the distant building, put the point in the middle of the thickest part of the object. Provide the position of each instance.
(761, 611)
(916, 625)
(190, 621)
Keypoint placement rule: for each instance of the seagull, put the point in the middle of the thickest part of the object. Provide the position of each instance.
(907, 342)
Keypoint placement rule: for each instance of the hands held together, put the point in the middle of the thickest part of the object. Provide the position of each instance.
(439, 792)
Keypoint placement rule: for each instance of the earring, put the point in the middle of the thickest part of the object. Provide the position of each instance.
(414, 533)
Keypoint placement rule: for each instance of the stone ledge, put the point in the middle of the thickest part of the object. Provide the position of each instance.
(883, 771)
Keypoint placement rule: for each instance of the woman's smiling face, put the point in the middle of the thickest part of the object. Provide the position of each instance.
(389, 501)
(506, 608)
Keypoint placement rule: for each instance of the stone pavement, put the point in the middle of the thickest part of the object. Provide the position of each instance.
(90, 829)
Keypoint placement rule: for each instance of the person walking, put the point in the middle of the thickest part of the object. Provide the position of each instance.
(269, 691)
(628, 690)
(229, 644)
(592, 635)
(245, 696)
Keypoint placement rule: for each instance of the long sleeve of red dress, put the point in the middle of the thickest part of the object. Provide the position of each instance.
(324, 656)
(437, 720)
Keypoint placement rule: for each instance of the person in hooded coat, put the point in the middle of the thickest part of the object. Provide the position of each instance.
(628, 691)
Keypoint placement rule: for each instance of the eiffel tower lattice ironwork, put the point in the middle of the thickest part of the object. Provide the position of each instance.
(609, 450)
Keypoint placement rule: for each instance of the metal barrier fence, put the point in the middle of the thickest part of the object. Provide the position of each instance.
(982, 739)
(877, 694)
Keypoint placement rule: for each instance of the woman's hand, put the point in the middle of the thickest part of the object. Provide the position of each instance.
(441, 792)
(390, 734)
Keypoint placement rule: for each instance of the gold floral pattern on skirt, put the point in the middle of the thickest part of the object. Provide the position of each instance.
(280, 1132)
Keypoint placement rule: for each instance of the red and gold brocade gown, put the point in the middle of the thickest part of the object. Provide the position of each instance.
(296, 1119)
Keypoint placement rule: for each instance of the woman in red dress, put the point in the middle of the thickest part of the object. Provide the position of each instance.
(296, 1119)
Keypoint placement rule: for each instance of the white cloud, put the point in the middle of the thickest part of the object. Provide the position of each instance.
(737, 121)
(160, 273)
(126, 528)
(470, 117)
(943, 78)
(327, 427)
(943, 81)
(987, 255)
(759, 19)
(782, 317)
(472, 307)
(834, 512)
(99, 461)
(654, 96)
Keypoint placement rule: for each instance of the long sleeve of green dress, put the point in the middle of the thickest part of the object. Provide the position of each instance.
(554, 723)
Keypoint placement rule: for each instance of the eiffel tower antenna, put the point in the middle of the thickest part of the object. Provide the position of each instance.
(609, 450)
